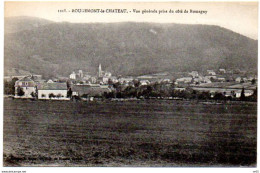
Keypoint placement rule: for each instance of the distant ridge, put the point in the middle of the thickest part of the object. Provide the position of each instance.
(20, 23)
(124, 48)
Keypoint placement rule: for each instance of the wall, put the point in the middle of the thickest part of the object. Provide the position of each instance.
(55, 92)
(27, 91)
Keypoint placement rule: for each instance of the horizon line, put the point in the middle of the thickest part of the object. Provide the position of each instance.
(144, 22)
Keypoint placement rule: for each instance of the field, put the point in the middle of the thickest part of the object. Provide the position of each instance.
(130, 133)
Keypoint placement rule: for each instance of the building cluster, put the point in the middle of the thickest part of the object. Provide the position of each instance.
(28, 87)
(106, 78)
(102, 77)
(211, 76)
(229, 83)
(78, 84)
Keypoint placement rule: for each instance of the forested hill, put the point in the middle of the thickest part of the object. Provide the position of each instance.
(21, 23)
(126, 48)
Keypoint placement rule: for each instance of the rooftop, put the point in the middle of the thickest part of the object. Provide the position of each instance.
(52, 86)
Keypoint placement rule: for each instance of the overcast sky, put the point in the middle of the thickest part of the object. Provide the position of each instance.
(241, 17)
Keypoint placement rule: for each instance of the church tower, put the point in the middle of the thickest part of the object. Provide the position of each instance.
(99, 71)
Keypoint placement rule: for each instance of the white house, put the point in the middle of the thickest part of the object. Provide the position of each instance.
(108, 74)
(114, 79)
(238, 79)
(222, 79)
(50, 81)
(184, 79)
(80, 73)
(93, 80)
(25, 88)
(125, 79)
(73, 75)
(54, 91)
(211, 72)
(144, 82)
(206, 80)
(105, 80)
(222, 70)
(194, 74)
(247, 93)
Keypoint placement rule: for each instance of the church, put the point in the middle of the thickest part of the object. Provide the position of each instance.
(103, 76)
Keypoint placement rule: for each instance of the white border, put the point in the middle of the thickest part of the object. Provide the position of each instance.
(114, 170)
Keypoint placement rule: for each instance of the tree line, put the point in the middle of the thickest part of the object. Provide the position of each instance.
(154, 90)
(167, 90)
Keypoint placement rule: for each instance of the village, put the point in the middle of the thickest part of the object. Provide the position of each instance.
(220, 84)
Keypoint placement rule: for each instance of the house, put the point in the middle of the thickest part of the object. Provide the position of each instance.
(87, 77)
(194, 74)
(210, 77)
(211, 72)
(250, 78)
(166, 80)
(221, 79)
(90, 90)
(105, 80)
(55, 91)
(93, 80)
(25, 88)
(247, 93)
(50, 81)
(73, 75)
(125, 80)
(184, 80)
(222, 71)
(239, 79)
(144, 82)
(113, 79)
(107, 74)
(206, 80)
(80, 74)
(245, 79)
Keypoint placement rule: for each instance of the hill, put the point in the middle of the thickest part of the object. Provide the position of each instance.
(127, 48)
(16, 24)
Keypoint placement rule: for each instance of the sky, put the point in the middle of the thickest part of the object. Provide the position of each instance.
(241, 17)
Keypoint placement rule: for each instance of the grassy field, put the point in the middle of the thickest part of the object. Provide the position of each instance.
(132, 133)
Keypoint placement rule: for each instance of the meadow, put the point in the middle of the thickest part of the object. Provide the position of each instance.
(129, 133)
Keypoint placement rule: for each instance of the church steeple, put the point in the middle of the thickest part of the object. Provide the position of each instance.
(99, 71)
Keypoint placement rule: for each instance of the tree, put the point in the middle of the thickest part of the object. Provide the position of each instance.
(253, 81)
(136, 83)
(110, 82)
(69, 93)
(242, 96)
(33, 94)
(84, 96)
(20, 91)
(253, 97)
(51, 95)
(68, 84)
(9, 87)
(204, 96)
(219, 96)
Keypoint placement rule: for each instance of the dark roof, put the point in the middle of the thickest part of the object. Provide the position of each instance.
(89, 90)
(25, 79)
(52, 86)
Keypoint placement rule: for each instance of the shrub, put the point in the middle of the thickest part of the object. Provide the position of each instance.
(51, 95)
(20, 91)
(33, 94)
